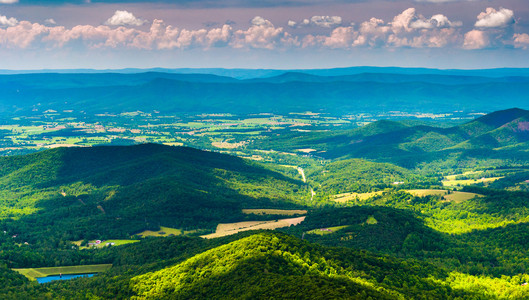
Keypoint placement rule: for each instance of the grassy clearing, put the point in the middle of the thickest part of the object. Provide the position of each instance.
(453, 196)
(355, 196)
(33, 273)
(468, 181)
(459, 197)
(266, 211)
(328, 230)
(233, 228)
(164, 231)
(426, 192)
(104, 243)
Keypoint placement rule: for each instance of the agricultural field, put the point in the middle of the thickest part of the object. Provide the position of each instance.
(233, 228)
(33, 273)
(346, 197)
(451, 196)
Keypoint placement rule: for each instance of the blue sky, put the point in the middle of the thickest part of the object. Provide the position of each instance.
(37, 34)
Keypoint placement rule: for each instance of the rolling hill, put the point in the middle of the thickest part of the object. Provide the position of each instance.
(116, 191)
(500, 134)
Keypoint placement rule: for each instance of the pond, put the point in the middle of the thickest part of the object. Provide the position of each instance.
(62, 277)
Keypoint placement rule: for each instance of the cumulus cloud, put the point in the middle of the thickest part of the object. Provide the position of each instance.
(492, 18)
(521, 40)
(320, 21)
(124, 18)
(8, 1)
(5, 21)
(436, 21)
(50, 21)
(326, 21)
(261, 35)
(476, 39)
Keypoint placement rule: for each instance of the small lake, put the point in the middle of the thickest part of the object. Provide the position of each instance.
(63, 277)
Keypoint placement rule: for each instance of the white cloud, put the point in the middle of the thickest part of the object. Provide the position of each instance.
(261, 35)
(320, 21)
(326, 21)
(476, 39)
(123, 17)
(4, 21)
(341, 37)
(521, 40)
(436, 21)
(50, 21)
(8, 1)
(495, 18)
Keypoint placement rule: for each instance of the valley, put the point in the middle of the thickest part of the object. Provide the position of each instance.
(340, 203)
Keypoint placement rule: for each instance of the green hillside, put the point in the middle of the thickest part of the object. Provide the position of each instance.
(114, 192)
(502, 135)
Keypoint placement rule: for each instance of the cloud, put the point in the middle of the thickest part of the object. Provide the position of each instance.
(521, 40)
(436, 21)
(476, 39)
(326, 21)
(50, 21)
(261, 35)
(320, 21)
(123, 18)
(4, 21)
(492, 18)
(8, 1)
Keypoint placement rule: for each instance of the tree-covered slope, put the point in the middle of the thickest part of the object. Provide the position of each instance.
(77, 193)
(502, 134)
(273, 265)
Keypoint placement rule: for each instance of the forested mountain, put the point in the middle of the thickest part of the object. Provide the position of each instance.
(111, 192)
(502, 134)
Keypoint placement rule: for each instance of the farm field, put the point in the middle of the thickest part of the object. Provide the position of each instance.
(463, 182)
(453, 196)
(346, 197)
(233, 228)
(33, 273)
(459, 197)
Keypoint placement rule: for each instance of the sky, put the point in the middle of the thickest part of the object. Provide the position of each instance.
(289, 34)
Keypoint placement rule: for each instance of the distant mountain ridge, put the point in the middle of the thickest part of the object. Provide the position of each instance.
(171, 93)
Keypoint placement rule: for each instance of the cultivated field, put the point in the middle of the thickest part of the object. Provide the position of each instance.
(233, 228)
(453, 196)
(426, 192)
(266, 211)
(451, 180)
(345, 197)
(33, 273)
(458, 197)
